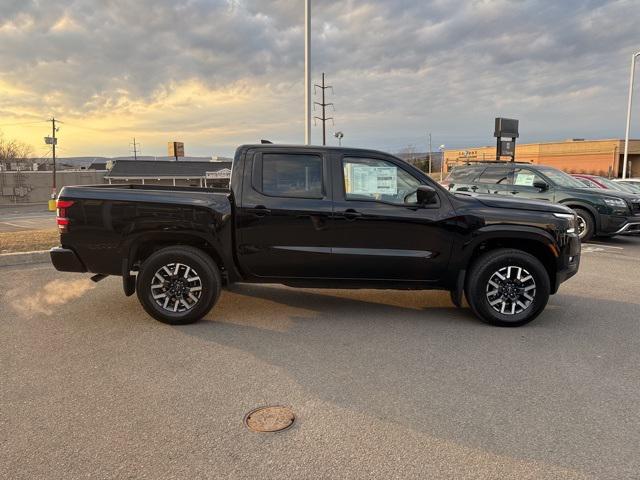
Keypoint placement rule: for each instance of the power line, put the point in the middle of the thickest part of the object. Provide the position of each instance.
(323, 104)
(20, 123)
(83, 127)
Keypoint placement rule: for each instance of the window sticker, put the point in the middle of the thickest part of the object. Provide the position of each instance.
(525, 179)
(366, 180)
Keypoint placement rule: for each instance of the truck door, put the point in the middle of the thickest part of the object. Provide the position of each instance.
(527, 183)
(381, 232)
(283, 218)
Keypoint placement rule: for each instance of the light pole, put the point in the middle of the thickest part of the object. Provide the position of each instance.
(339, 136)
(441, 148)
(307, 72)
(626, 134)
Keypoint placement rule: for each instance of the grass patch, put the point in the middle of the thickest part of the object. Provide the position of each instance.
(28, 240)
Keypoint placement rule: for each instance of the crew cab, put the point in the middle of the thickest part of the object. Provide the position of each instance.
(308, 216)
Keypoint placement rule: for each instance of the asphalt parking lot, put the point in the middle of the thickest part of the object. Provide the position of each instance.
(26, 217)
(384, 384)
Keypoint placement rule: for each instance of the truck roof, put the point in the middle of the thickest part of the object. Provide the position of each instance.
(492, 162)
(314, 148)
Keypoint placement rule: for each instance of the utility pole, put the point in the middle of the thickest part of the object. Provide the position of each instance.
(54, 142)
(429, 153)
(442, 149)
(307, 72)
(135, 148)
(323, 104)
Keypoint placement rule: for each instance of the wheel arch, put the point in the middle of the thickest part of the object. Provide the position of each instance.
(137, 250)
(573, 204)
(531, 240)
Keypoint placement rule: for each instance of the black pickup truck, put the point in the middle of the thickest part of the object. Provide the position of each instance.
(318, 217)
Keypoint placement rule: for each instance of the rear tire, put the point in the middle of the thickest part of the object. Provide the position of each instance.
(178, 285)
(586, 224)
(507, 287)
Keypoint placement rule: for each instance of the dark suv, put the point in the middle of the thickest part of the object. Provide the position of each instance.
(600, 212)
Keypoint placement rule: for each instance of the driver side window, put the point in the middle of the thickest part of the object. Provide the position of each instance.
(375, 179)
(523, 177)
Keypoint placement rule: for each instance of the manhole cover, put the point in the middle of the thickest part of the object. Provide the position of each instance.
(269, 419)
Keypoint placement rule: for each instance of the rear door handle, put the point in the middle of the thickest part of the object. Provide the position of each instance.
(259, 211)
(351, 214)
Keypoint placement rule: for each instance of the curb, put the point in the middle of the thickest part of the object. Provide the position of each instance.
(24, 258)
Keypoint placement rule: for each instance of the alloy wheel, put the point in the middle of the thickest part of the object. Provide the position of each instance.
(582, 227)
(176, 287)
(511, 290)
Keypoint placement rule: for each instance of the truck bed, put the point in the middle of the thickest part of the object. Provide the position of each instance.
(109, 223)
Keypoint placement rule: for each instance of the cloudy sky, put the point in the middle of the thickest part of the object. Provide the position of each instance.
(217, 73)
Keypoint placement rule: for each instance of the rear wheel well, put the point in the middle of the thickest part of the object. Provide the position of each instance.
(143, 250)
(538, 249)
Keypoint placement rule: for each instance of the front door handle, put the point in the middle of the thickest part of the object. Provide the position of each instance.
(259, 211)
(351, 214)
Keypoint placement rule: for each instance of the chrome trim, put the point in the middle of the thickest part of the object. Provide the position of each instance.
(626, 227)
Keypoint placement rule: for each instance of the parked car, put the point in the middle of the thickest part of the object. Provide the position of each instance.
(318, 217)
(596, 181)
(628, 181)
(600, 212)
(633, 184)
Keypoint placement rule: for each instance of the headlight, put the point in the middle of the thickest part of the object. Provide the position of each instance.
(572, 220)
(615, 202)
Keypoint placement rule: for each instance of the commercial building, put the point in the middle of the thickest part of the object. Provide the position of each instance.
(596, 157)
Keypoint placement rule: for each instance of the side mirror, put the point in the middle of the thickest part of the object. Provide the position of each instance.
(542, 186)
(426, 195)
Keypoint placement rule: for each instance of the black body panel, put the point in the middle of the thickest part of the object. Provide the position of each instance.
(312, 230)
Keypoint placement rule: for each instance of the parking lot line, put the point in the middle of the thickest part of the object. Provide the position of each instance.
(13, 224)
(604, 245)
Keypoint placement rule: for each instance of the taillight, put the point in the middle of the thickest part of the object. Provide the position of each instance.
(61, 218)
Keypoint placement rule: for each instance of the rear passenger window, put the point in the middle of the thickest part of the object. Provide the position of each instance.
(464, 174)
(499, 175)
(290, 175)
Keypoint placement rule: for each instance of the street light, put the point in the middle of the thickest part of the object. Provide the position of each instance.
(307, 72)
(339, 136)
(441, 148)
(626, 135)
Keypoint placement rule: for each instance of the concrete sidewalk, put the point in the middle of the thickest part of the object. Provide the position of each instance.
(24, 258)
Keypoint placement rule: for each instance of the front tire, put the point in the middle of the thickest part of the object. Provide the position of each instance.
(507, 287)
(586, 224)
(178, 285)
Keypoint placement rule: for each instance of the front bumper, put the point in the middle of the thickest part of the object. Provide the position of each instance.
(631, 228)
(568, 262)
(619, 225)
(66, 260)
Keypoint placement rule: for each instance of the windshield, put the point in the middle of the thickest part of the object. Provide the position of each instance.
(562, 179)
(616, 186)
